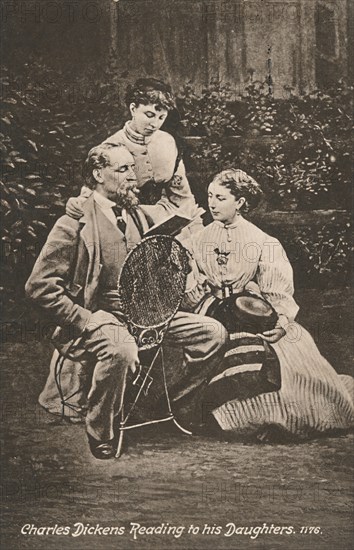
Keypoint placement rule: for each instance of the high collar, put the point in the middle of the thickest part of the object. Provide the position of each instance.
(240, 220)
(139, 139)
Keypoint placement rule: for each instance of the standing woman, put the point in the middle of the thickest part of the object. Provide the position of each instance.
(157, 158)
(159, 168)
(232, 256)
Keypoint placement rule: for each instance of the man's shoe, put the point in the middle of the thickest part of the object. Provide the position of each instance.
(103, 450)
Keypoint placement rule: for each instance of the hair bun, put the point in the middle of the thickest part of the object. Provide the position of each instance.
(150, 90)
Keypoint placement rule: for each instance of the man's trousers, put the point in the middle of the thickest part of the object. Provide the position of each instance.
(93, 380)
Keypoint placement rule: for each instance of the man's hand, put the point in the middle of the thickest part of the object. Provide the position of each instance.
(108, 331)
(274, 335)
(74, 207)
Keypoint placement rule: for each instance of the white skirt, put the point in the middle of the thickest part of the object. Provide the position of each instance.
(313, 398)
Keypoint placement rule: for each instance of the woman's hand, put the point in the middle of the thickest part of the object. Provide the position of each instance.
(74, 207)
(274, 335)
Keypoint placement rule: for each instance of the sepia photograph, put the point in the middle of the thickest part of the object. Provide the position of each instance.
(176, 274)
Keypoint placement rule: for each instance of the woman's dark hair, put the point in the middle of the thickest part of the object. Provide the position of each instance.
(150, 90)
(240, 185)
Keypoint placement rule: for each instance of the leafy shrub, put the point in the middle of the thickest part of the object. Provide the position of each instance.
(304, 163)
(208, 114)
(326, 255)
(49, 122)
(312, 158)
(261, 111)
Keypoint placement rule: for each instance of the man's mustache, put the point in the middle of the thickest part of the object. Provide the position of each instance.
(126, 200)
(132, 187)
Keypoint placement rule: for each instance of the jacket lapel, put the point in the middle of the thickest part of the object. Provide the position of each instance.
(90, 237)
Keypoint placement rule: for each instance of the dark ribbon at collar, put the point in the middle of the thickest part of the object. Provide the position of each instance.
(121, 224)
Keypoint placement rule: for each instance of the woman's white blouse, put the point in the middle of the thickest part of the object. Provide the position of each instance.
(155, 159)
(245, 254)
(155, 155)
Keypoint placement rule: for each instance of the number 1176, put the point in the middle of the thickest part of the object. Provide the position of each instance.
(310, 530)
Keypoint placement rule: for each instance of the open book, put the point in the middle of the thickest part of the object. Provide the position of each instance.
(169, 226)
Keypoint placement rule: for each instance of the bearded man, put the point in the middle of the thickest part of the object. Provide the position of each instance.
(74, 283)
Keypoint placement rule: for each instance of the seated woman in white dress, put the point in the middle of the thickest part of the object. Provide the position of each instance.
(232, 255)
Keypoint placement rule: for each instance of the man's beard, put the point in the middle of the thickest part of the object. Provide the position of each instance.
(128, 202)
